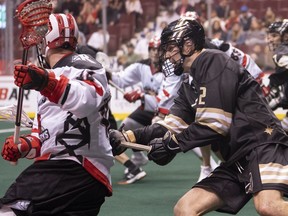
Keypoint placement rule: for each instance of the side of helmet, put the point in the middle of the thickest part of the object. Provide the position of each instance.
(154, 42)
(176, 33)
(62, 32)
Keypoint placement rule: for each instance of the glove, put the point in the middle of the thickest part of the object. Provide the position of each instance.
(33, 77)
(28, 147)
(163, 149)
(116, 137)
(133, 96)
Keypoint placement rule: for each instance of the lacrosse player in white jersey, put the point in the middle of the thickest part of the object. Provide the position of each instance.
(69, 139)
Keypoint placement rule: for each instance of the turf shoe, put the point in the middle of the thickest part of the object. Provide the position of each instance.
(132, 176)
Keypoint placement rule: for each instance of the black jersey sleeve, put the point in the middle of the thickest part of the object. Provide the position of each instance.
(145, 134)
(216, 81)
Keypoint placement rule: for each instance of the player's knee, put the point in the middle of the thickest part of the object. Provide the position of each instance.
(181, 209)
(6, 211)
(266, 208)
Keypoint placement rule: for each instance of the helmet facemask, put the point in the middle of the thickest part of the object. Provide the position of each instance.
(175, 35)
(171, 67)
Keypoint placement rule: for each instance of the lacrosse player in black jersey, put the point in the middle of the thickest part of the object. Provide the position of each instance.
(218, 104)
(276, 85)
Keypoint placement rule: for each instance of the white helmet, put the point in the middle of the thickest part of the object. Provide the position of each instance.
(62, 32)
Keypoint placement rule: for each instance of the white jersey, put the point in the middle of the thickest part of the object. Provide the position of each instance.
(141, 73)
(239, 56)
(76, 128)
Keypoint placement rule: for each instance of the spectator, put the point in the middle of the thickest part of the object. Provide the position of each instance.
(269, 17)
(135, 7)
(245, 17)
(168, 16)
(71, 6)
(118, 7)
(256, 35)
(236, 36)
(98, 39)
(223, 9)
(131, 57)
(184, 7)
(217, 30)
(233, 18)
(82, 25)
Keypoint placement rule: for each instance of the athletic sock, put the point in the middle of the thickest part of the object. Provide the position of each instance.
(130, 165)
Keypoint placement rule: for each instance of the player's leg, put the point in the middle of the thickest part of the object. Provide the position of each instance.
(138, 157)
(208, 162)
(133, 173)
(197, 201)
(270, 202)
(6, 211)
(269, 172)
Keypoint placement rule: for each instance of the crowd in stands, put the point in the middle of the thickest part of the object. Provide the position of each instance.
(231, 21)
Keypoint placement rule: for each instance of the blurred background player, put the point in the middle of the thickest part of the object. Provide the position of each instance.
(147, 75)
(275, 84)
(69, 138)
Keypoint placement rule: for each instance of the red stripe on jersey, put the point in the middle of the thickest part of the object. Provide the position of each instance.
(244, 62)
(163, 111)
(166, 93)
(96, 173)
(97, 87)
(60, 88)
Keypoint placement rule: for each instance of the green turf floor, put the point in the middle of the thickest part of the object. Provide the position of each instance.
(155, 195)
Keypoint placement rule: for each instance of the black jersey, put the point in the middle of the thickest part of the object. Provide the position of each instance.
(225, 107)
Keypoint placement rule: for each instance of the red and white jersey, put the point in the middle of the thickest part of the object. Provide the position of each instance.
(239, 56)
(149, 79)
(76, 128)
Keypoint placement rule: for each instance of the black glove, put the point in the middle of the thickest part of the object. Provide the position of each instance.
(116, 137)
(164, 149)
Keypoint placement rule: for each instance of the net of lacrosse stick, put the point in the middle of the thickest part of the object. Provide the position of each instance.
(34, 17)
(9, 113)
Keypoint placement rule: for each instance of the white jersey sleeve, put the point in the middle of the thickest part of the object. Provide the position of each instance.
(239, 56)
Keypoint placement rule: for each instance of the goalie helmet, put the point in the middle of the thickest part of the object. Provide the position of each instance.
(177, 32)
(62, 32)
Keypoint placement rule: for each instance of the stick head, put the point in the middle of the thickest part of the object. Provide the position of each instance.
(9, 113)
(34, 17)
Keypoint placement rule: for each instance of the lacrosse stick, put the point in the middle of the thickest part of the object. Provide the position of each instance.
(9, 113)
(34, 17)
(104, 60)
(136, 146)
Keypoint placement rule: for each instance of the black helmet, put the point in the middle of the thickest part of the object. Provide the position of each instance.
(274, 27)
(177, 32)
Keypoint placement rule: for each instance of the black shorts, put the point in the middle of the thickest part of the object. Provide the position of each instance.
(265, 168)
(58, 188)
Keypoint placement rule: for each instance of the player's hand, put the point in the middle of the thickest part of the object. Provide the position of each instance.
(32, 77)
(28, 146)
(133, 96)
(115, 138)
(163, 149)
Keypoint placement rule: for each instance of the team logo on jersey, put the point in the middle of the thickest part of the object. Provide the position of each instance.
(268, 130)
(44, 135)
